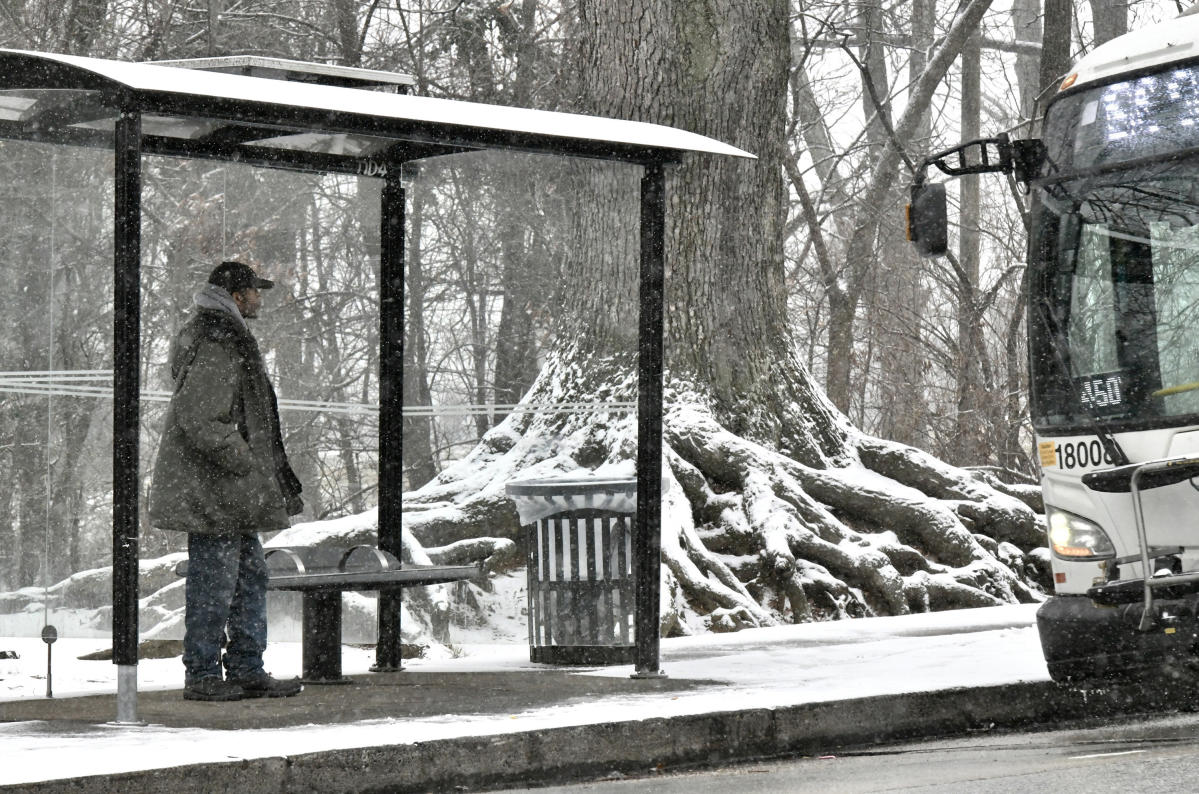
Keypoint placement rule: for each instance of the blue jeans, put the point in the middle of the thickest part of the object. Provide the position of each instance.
(226, 589)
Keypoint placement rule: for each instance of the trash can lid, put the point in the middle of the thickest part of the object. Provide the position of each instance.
(537, 499)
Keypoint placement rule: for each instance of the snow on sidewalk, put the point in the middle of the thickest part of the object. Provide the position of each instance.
(758, 668)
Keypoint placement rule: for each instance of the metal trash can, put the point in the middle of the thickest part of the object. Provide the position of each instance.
(580, 568)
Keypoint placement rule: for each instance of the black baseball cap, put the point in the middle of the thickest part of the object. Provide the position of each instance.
(235, 276)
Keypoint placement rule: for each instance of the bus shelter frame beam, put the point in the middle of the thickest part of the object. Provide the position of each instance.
(392, 238)
(647, 539)
(126, 434)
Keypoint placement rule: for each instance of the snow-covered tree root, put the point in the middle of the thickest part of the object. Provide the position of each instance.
(752, 537)
(892, 533)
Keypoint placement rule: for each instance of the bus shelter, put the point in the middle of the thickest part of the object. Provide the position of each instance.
(139, 110)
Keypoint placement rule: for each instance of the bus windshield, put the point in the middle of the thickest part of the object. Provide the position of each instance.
(1114, 312)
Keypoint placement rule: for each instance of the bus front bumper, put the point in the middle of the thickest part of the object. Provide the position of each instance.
(1083, 641)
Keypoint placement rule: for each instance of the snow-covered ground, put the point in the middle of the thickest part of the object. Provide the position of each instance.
(759, 668)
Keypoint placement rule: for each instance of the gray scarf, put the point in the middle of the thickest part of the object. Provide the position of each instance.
(218, 299)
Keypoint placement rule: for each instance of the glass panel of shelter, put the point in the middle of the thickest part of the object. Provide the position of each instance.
(490, 231)
(316, 235)
(55, 389)
(522, 254)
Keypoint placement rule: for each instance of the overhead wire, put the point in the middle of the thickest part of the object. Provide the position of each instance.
(98, 384)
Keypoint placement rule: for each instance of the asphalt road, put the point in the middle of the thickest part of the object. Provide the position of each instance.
(1156, 755)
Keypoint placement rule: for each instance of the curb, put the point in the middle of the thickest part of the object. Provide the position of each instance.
(636, 746)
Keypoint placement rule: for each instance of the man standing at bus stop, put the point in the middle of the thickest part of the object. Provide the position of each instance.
(222, 476)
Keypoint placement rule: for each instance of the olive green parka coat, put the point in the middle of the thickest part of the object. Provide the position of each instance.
(221, 467)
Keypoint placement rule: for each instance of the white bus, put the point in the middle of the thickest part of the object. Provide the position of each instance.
(1113, 346)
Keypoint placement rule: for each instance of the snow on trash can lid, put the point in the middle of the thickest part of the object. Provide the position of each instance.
(537, 499)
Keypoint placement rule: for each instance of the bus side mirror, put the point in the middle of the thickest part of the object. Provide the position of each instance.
(928, 224)
(1027, 158)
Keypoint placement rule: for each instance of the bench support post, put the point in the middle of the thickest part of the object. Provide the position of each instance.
(387, 651)
(322, 637)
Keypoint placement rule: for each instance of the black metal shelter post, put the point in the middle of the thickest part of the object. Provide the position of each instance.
(391, 400)
(126, 408)
(647, 539)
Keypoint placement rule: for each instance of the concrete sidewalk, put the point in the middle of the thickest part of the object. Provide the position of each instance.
(454, 730)
(524, 757)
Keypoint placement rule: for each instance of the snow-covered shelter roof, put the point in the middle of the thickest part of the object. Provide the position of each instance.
(301, 71)
(1152, 46)
(201, 113)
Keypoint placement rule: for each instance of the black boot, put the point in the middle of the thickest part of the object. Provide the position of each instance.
(213, 688)
(264, 685)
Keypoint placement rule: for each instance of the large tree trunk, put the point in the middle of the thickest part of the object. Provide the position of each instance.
(775, 507)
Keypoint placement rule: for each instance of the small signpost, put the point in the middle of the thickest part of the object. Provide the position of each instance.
(49, 635)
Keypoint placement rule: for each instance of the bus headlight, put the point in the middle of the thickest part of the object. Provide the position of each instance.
(1075, 538)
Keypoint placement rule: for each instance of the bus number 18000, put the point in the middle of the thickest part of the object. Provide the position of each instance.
(1081, 454)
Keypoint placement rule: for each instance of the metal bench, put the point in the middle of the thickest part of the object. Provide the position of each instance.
(322, 574)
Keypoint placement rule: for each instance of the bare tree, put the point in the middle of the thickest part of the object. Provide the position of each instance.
(420, 461)
(1055, 41)
(1109, 19)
